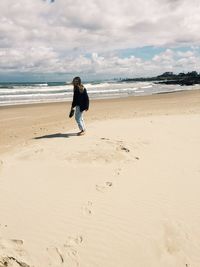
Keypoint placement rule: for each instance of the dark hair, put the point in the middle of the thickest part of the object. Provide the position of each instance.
(77, 79)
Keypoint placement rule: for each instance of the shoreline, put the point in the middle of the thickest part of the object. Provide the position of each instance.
(101, 99)
(96, 98)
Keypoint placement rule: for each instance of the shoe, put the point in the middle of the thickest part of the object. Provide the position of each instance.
(81, 133)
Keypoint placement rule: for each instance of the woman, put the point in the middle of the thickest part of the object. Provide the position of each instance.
(80, 102)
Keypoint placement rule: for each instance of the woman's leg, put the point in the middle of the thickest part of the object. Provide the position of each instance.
(79, 118)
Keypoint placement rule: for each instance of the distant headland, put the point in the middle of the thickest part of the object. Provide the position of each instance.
(189, 78)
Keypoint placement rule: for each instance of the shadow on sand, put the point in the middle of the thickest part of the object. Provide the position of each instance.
(56, 135)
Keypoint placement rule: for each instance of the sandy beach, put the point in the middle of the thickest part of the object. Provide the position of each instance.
(125, 194)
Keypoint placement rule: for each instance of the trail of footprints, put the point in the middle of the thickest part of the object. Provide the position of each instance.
(12, 253)
(66, 254)
(103, 187)
(111, 151)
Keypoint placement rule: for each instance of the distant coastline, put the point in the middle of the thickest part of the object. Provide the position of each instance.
(190, 78)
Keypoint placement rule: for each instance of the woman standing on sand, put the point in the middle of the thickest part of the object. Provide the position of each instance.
(80, 102)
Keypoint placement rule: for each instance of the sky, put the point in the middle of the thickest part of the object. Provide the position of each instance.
(56, 40)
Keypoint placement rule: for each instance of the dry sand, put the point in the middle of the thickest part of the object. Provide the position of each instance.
(125, 194)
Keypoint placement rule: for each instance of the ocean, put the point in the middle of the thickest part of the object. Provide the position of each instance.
(28, 93)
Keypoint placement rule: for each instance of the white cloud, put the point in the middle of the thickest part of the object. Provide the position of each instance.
(165, 57)
(186, 54)
(39, 36)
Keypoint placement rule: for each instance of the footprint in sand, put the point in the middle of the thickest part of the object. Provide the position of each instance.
(3, 226)
(65, 254)
(118, 143)
(73, 241)
(172, 238)
(170, 246)
(55, 257)
(104, 138)
(104, 187)
(71, 250)
(11, 244)
(12, 253)
(123, 148)
(8, 261)
(1, 164)
(40, 150)
(120, 146)
(87, 209)
(117, 171)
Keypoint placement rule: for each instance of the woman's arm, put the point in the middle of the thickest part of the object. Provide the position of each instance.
(87, 100)
(74, 100)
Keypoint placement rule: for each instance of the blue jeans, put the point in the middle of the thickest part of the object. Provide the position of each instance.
(79, 118)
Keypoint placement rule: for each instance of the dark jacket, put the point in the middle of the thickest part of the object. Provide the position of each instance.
(80, 99)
